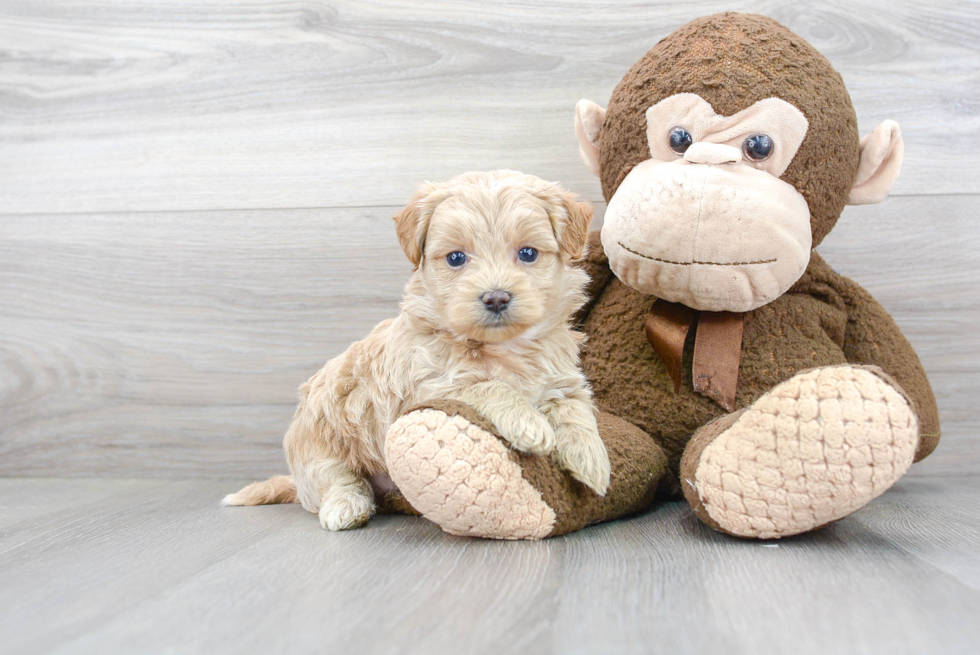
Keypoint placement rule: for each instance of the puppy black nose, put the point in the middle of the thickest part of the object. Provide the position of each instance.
(496, 301)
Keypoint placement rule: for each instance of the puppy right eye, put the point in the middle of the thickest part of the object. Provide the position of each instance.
(456, 259)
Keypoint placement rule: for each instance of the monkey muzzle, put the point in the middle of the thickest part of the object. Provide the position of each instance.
(709, 231)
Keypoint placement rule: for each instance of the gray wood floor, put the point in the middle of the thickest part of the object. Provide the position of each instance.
(195, 203)
(125, 566)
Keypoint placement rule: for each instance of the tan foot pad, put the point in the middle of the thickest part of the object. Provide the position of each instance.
(814, 449)
(463, 478)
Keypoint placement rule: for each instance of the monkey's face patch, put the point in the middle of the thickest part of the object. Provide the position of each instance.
(706, 221)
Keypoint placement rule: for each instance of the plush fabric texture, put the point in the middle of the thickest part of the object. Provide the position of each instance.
(718, 238)
(882, 152)
(782, 121)
(733, 61)
(703, 438)
(460, 476)
(812, 450)
(638, 466)
(824, 320)
(394, 502)
(453, 468)
(822, 367)
(589, 118)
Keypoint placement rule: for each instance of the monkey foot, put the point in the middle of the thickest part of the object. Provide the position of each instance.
(811, 451)
(460, 476)
(452, 468)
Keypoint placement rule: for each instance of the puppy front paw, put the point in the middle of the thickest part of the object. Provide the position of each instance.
(528, 432)
(346, 510)
(582, 453)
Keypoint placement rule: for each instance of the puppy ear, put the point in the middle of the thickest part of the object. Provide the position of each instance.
(571, 223)
(412, 222)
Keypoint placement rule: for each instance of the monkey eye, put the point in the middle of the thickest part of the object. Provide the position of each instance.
(680, 140)
(456, 259)
(757, 147)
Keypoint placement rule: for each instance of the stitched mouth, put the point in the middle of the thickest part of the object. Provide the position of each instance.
(668, 261)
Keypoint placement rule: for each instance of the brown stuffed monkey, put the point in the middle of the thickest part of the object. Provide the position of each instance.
(729, 361)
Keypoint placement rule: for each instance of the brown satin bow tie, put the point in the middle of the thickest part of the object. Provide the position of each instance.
(717, 347)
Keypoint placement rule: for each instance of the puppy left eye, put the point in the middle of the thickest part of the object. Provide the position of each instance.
(527, 255)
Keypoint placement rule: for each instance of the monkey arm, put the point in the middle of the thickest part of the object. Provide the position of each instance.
(872, 337)
(596, 264)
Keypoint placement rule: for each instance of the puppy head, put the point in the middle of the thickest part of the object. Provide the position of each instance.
(491, 252)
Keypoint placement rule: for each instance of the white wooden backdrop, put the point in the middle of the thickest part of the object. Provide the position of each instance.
(195, 196)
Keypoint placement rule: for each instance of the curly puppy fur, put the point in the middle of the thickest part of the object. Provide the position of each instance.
(518, 367)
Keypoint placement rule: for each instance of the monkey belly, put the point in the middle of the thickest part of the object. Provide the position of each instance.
(795, 332)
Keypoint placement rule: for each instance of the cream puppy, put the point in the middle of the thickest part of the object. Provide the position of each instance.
(485, 319)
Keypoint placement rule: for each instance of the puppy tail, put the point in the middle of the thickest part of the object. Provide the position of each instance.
(275, 490)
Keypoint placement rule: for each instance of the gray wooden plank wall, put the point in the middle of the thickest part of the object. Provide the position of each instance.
(195, 197)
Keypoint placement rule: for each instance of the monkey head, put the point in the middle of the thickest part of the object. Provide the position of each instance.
(726, 154)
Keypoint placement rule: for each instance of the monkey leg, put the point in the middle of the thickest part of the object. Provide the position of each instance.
(810, 451)
(453, 469)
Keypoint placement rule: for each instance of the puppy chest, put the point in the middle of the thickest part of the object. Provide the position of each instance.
(529, 379)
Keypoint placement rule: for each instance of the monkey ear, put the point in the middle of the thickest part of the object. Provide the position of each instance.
(589, 118)
(412, 222)
(572, 223)
(881, 161)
